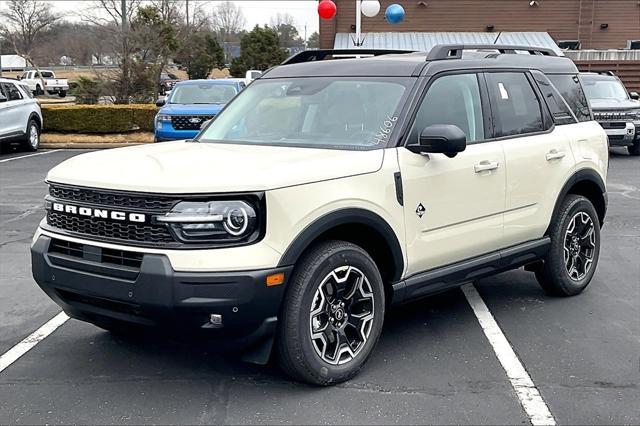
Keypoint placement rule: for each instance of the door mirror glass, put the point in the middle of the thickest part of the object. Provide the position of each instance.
(634, 95)
(3, 98)
(160, 102)
(445, 139)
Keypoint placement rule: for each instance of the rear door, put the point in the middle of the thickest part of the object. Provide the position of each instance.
(453, 207)
(12, 111)
(538, 154)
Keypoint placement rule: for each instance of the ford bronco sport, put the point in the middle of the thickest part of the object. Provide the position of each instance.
(617, 111)
(328, 191)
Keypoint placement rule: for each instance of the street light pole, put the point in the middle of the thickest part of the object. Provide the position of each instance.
(358, 42)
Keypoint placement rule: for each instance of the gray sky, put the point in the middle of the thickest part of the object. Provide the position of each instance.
(256, 12)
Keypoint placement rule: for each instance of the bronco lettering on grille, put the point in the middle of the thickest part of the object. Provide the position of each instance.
(99, 213)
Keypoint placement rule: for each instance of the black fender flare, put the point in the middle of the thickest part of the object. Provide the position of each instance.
(36, 117)
(583, 175)
(342, 217)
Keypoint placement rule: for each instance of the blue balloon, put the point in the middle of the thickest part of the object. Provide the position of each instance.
(394, 14)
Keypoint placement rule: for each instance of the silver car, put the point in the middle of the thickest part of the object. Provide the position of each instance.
(20, 115)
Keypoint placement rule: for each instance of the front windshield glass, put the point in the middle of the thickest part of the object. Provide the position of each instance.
(202, 94)
(346, 113)
(604, 89)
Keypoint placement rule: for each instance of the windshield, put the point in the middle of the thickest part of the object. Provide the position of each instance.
(346, 113)
(202, 94)
(604, 89)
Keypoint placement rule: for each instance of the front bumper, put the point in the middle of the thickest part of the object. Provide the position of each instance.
(620, 136)
(167, 133)
(154, 294)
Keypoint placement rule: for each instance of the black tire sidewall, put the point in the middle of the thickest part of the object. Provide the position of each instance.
(318, 370)
(555, 269)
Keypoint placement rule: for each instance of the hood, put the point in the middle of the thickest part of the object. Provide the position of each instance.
(613, 104)
(191, 109)
(193, 167)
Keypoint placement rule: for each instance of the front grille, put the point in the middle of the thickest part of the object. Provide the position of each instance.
(100, 302)
(616, 137)
(188, 122)
(103, 255)
(155, 234)
(614, 125)
(113, 199)
(611, 116)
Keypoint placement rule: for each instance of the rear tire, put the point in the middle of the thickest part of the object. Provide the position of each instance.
(31, 140)
(332, 314)
(634, 150)
(575, 247)
(62, 93)
(39, 91)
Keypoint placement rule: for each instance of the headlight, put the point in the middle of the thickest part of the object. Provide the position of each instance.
(634, 114)
(213, 221)
(163, 118)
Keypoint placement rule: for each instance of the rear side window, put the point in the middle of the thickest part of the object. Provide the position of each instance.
(571, 90)
(11, 92)
(560, 111)
(515, 104)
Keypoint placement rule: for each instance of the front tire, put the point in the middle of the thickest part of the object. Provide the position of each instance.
(332, 314)
(575, 248)
(634, 149)
(32, 138)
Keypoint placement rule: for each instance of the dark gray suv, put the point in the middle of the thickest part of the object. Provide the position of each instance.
(617, 111)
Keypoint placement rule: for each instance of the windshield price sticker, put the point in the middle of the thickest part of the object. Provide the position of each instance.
(382, 135)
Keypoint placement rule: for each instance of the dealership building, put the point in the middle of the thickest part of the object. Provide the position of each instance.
(600, 35)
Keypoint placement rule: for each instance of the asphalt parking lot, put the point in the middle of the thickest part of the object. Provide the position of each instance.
(433, 363)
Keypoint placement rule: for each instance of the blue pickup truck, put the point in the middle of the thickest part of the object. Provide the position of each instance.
(190, 104)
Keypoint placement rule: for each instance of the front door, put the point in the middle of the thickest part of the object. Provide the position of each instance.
(453, 206)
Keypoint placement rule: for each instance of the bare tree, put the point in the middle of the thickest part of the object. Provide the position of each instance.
(23, 23)
(227, 19)
(282, 19)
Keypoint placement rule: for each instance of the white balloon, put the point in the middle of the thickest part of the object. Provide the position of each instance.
(370, 8)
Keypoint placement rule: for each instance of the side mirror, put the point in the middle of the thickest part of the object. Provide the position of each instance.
(441, 138)
(160, 102)
(18, 77)
(3, 98)
(634, 95)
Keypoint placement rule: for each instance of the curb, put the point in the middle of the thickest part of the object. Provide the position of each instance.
(89, 145)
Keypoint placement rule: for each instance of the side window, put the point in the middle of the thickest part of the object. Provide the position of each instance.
(452, 99)
(569, 87)
(560, 111)
(514, 104)
(12, 92)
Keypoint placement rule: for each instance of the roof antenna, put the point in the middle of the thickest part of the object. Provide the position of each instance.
(497, 38)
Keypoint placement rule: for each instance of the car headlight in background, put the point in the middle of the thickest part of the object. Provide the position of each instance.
(223, 221)
(163, 118)
(634, 114)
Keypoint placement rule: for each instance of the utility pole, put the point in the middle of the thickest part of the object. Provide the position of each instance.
(187, 4)
(125, 53)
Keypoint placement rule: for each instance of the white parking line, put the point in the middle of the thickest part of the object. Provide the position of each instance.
(30, 155)
(33, 339)
(528, 394)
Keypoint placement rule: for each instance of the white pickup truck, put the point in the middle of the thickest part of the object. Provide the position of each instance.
(45, 82)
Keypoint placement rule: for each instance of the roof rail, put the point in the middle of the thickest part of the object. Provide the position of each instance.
(454, 51)
(319, 55)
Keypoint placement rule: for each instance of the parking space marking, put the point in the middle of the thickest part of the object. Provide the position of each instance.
(33, 339)
(528, 394)
(30, 155)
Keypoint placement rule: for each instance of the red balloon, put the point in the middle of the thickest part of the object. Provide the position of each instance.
(327, 9)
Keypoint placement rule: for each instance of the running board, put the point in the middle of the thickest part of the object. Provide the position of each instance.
(457, 274)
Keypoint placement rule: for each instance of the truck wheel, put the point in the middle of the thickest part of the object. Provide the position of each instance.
(31, 140)
(575, 248)
(332, 314)
(39, 90)
(62, 93)
(634, 149)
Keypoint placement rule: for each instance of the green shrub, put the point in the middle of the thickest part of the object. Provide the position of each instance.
(98, 118)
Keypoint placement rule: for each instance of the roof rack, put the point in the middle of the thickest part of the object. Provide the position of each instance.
(454, 51)
(319, 55)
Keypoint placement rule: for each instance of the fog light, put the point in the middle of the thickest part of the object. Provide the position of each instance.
(215, 319)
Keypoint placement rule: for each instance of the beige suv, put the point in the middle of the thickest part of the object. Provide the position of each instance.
(328, 191)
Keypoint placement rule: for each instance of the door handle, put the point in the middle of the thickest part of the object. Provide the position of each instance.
(554, 154)
(486, 165)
